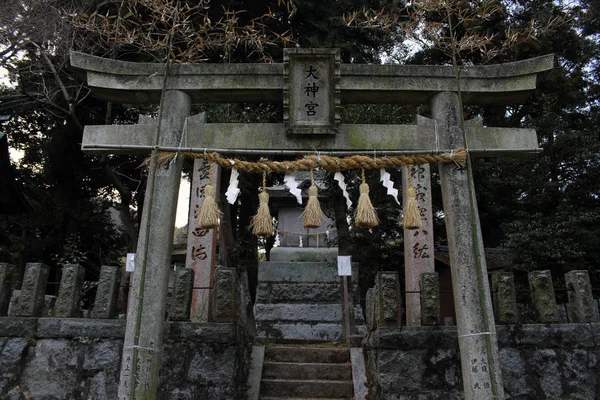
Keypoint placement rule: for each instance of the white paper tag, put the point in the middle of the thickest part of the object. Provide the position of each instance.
(130, 264)
(292, 184)
(344, 265)
(232, 190)
(339, 177)
(386, 180)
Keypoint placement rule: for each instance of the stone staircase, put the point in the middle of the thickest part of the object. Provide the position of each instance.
(298, 301)
(303, 372)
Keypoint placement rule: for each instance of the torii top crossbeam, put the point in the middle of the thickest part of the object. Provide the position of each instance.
(131, 82)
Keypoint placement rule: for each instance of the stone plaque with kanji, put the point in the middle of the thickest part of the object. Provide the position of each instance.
(311, 92)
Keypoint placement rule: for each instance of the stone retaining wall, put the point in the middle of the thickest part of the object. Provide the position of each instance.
(558, 361)
(62, 358)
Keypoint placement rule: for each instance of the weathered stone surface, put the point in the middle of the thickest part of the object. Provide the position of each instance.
(579, 368)
(514, 372)
(31, 299)
(302, 293)
(582, 306)
(205, 332)
(473, 301)
(24, 327)
(102, 355)
(387, 296)
(121, 81)
(299, 331)
(542, 295)
(257, 360)
(181, 299)
(370, 310)
(547, 369)
(297, 272)
(504, 297)
(418, 243)
(304, 254)
(298, 312)
(359, 374)
(42, 379)
(67, 303)
(203, 362)
(107, 293)
(12, 353)
(77, 327)
(102, 385)
(6, 271)
(394, 364)
(430, 298)
(537, 361)
(225, 295)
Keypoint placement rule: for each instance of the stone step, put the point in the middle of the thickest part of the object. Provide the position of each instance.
(302, 398)
(299, 312)
(304, 354)
(318, 331)
(287, 388)
(282, 271)
(287, 370)
(299, 292)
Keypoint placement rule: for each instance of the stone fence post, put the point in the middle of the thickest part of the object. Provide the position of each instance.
(181, 299)
(107, 293)
(33, 290)
(504, 298)
(582, 307)
(387, 299)
(224, 305)
(430, 298)
(6, 271)
(67, 303)
(543, 297)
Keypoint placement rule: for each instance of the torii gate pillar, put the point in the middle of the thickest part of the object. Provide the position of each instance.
(147, 300)
(482, 376)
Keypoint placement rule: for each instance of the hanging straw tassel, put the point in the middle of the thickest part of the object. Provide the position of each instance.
(262, 222)
(209, 215)
(312, 213)
(412, 216)
(366, 216)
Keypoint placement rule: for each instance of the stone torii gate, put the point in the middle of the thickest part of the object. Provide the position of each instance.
(311, 83)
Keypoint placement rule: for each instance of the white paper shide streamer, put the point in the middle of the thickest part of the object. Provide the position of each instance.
(292, 184)
(386, 180)
(277, 241)
(233, 190)
(339, 177)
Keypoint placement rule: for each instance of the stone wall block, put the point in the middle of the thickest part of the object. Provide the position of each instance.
(430, 298)
(389, 301)
(504, 297)
(370, 310)
(31, 299)
(542, 295)
(6, 271)
(181, 300)
(105, 305)
(67, 303)
(224, 295)
(581, 301)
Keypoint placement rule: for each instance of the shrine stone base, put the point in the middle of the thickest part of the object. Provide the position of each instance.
(309, 254)
(61, 358)
(558, 361)
(301, 300)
